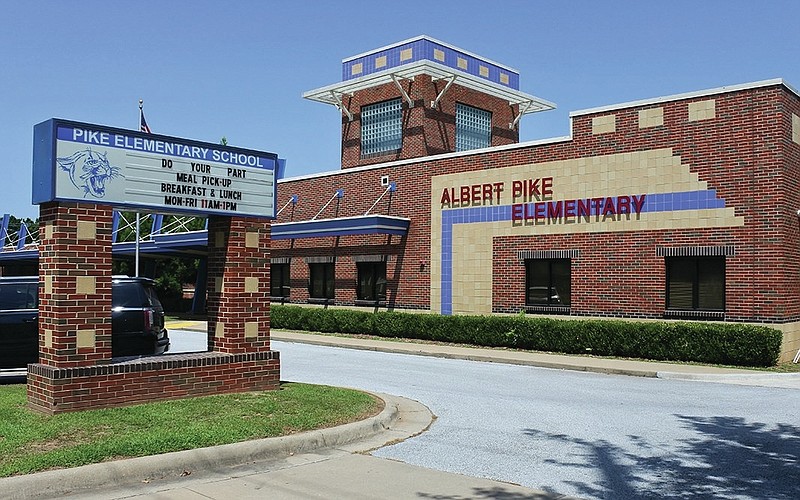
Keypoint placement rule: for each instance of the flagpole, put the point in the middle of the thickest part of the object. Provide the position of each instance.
(141, 103)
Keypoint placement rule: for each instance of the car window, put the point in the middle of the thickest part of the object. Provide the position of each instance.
(127, 295)
(152, 297)
(18, 296)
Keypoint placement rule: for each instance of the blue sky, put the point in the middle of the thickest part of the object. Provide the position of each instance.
(238, 69)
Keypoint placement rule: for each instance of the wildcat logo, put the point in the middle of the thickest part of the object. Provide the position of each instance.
(95, 171)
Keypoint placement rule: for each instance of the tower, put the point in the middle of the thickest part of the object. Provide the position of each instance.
(423, 97)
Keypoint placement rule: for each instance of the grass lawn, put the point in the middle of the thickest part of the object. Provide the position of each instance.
(32, 442)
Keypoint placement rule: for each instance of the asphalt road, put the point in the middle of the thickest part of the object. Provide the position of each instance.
(575, 433)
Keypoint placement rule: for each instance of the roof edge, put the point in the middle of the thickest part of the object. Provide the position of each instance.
(443, 156)
(686, 95)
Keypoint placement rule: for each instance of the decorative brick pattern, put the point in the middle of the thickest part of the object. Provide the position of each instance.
(653, 117)
(702, 110)
(604, 124)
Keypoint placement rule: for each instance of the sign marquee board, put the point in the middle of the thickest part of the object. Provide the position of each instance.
(82, 162)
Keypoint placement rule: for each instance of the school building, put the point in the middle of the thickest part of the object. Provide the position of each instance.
(684, 207)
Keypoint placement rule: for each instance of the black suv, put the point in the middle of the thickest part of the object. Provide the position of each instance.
(137, 319)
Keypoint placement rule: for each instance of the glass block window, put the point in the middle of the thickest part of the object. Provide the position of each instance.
(381, 128)
(473, 128)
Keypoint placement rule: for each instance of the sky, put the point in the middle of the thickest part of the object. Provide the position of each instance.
(238, 69)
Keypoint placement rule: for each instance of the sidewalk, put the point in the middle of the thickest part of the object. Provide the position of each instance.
(637, 368)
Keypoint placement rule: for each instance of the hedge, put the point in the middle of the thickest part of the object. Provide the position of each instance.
(716, 343)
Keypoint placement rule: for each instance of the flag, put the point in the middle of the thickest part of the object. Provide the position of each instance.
(142, 123)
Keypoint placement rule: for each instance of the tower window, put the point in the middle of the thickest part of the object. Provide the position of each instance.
(381, 128)
(473, 128)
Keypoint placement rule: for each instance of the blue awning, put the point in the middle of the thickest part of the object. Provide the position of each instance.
(363, 224)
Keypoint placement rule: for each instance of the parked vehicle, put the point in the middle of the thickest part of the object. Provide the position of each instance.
(137, 319)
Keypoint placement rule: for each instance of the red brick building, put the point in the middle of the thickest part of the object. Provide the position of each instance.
(682, 207)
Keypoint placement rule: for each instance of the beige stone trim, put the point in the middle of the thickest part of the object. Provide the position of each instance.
(356, 69)
(250, 285)
(380, 62)
(462, 63)
(604, 124)
(48, 339)
(796, 128)
(219, 331)
(48, 284)
(86, 285)
(87, 230)
(85, 338)
(653, 117)
(438, 55)
(483, 71)
(219, 284)
(48, 231)
(251, 239)
(251, 329)
(504, 78)
(406, 54)
(702, 110)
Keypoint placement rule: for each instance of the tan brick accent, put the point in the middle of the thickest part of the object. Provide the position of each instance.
(87, 230)
(251, 239)
(219, 284)
(85, 338)
(462, 63)
(250, 285)
(251, 329)
(48, 339)
(796, 128)
(483, 71)
(604, 124)
(504, 78)
(86, 285)
(702, 110)
(357, 69)
(406, 54)
(48, 231)
(219, 331)
(438, 55)
(380, 61)
(653, 117)
(48, 284)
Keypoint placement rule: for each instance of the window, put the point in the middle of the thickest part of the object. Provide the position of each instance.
(696, 283)
(371, 281)
(321, 283)
(381, 128)
(279, 280)
(548, 282)
(473, 128)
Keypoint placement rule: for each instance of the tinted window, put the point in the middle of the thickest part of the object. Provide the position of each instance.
(127, 295)
(18, 296)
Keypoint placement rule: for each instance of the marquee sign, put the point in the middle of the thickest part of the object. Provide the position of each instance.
(82, 162)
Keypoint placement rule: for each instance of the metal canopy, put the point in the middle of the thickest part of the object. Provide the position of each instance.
(342, 226)
(332, 94)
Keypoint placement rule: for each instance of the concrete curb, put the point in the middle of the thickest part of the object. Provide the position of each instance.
(176, 464)
(780, 380)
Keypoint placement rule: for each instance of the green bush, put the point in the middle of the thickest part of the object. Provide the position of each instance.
(717, 343)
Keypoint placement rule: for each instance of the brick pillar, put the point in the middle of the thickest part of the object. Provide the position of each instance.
(238, 284)
(75, 284)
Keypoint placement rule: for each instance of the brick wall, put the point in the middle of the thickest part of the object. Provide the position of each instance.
(738, 143)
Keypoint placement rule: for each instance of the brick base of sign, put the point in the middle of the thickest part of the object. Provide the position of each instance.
(54, 390)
